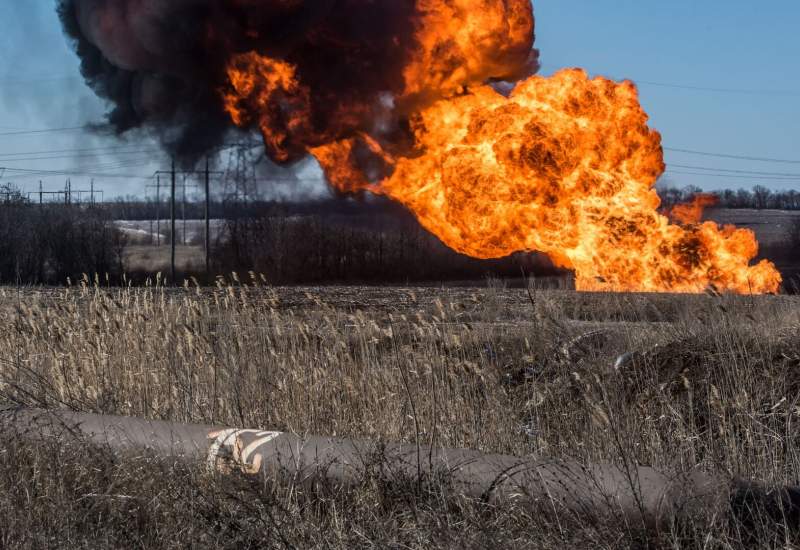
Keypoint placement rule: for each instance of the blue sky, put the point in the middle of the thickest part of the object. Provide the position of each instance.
(722, 44)
(747, 51)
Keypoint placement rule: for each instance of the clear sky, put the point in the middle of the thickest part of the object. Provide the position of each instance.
(718, 76)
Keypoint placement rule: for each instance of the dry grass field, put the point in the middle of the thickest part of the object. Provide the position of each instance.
(677, 382)
(155, 259)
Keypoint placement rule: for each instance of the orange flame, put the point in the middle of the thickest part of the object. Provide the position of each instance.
(460, 42)
(564, 165)
(692, 212)
(281, 100)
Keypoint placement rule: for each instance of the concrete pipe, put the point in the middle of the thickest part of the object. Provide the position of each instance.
(642, 495)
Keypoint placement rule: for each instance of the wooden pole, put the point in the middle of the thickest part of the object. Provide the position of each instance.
(158, 210)
(208, 221)
(183, 210)
(172, 222)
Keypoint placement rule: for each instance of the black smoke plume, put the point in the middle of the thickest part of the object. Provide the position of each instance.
(161, 64)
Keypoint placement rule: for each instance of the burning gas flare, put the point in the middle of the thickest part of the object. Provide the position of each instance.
(401, 98)
(564, 165)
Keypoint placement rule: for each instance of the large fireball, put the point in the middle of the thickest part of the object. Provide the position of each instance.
(566, 166)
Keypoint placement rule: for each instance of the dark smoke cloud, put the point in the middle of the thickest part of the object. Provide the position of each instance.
(151, 72)
(162, 63)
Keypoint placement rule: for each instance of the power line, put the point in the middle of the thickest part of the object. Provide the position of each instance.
(732, 176)
(146, 154)
(46, 131)
(18, 81)
(80, 150)
(748, 172)
(110, 148)
(82, 156)
(107, 163)
(742, 91)
(731, 156)
(139, 158)
(682, 86)
(36, 173)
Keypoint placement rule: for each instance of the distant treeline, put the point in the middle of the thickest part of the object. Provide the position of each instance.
(52, 243)
(370, 241)
(381, 243)
(336, 240)
(759, 197)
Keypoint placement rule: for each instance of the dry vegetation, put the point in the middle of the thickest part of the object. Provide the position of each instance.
(708, 381)
(154, 259)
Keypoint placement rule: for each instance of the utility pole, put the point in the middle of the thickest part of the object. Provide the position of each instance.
(158, 210)
(40, 193)
(208, 221)
(183, 210)
(173, 175)
(91, 199)
(172, 221)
